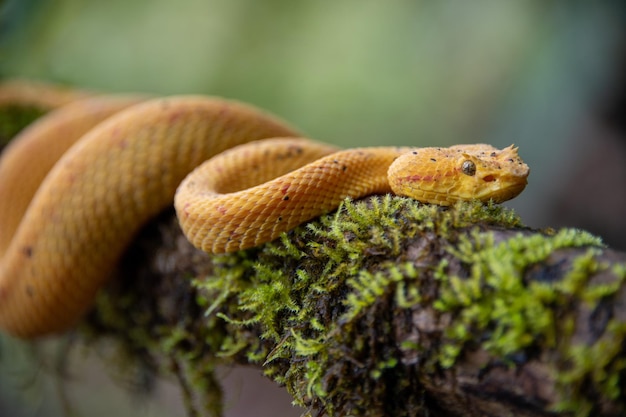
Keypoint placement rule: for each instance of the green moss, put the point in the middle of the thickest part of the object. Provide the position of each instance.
(367, 287)
(357, 256)
(600, 365)
(497, 300)
(333, 303)
(495, 296)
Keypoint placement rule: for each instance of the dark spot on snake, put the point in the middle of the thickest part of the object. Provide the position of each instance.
(493, 154)
(414, 152)
(335, 161)
(285, 198)
(511, 160)
(28, 251)
(280, 218)
(433, 159)
(343, 168)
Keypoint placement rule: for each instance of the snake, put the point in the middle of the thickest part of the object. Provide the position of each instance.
(78, 184)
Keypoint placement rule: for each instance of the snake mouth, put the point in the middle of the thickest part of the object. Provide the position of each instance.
(508, 192)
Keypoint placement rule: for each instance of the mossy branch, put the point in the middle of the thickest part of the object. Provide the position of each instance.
(385, 308)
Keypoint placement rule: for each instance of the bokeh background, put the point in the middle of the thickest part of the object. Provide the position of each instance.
(549, 76)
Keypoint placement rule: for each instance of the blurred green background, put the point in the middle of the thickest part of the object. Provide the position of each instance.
(545, 75)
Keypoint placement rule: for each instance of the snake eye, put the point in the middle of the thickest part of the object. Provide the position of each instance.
(468, 168)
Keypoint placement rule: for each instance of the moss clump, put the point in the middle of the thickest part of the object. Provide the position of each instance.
(497, 297)
(600, 364)
(358, 308)
(358, 256)
(520, 314)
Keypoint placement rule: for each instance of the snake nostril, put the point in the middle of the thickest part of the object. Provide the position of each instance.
(489, 178)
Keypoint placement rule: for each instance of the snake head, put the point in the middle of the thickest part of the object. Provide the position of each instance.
(491, 174)
(463, 172)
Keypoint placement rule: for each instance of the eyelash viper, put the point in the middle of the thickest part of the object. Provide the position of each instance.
(68, 210)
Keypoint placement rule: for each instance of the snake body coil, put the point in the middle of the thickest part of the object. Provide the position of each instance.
(60, 238)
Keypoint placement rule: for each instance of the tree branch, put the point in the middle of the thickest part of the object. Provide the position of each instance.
(386, 308)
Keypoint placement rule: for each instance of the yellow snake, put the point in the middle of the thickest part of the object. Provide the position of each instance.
(77, 184)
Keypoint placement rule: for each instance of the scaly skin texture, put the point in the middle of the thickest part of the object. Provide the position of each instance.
(57, 252)
(39, 147)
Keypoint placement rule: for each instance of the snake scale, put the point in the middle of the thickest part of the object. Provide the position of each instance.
(77, 185)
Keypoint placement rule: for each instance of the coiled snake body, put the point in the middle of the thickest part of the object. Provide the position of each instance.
(77, 185)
